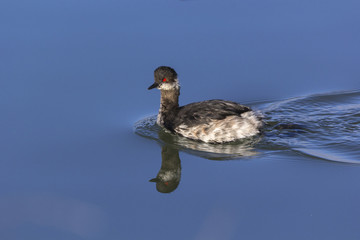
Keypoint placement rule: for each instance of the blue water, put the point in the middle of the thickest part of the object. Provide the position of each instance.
(78, 143)
(324, 126)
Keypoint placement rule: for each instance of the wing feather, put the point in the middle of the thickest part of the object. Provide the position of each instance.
(203, 112)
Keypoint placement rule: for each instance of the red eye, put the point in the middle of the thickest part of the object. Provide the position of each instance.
(164, 80)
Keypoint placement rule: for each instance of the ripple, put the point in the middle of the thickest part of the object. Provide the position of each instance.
(329, 123)
(326, 155)
(321, 126)
(148, 128)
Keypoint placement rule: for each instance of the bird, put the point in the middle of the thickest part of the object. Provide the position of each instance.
(211, 121)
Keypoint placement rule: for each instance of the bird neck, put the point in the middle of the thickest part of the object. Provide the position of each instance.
(169, 100)
(169, 105)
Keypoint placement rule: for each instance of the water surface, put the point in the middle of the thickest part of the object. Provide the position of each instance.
(322, 127)
(73, 86)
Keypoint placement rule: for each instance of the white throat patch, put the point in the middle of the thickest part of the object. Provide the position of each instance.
(170, 86)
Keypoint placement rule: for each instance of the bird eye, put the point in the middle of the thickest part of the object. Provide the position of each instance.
(164, 80)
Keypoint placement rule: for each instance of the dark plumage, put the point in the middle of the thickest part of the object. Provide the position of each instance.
(203, 112)
(209, 121)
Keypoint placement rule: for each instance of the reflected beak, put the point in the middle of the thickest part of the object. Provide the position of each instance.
(155, 85)
(154, 180)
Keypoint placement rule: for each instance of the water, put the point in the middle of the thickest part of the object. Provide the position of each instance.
(324, 126)
(320, 127)
(79, 145)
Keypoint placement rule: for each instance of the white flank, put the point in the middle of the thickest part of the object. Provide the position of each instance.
(226, 130)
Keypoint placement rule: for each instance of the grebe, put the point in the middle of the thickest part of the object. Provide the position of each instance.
(212, 121)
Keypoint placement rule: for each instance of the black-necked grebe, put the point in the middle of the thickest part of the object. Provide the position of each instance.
(212, 121)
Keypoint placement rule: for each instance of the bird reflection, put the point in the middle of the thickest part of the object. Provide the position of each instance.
(168, 177)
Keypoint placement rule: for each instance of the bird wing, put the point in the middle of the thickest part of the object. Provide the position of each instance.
(203, 112)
